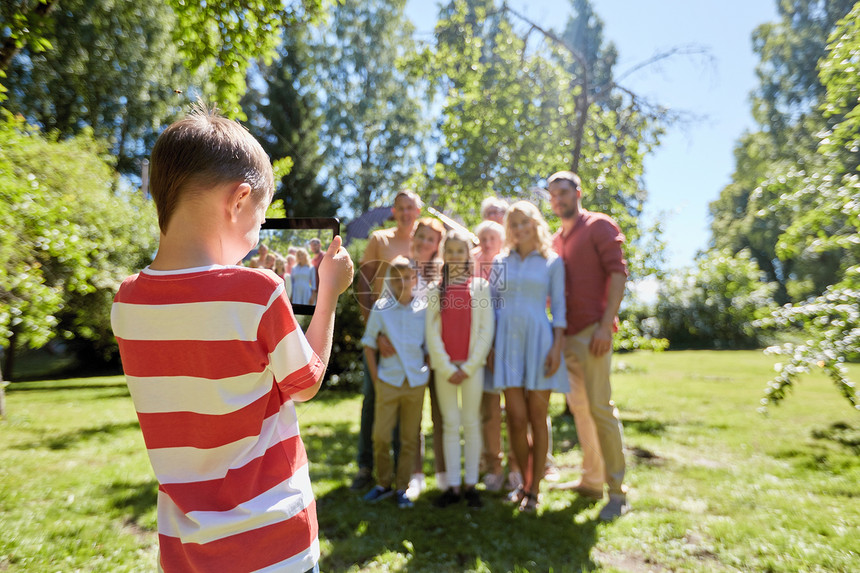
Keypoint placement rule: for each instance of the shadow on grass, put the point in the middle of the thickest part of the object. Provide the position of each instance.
(70, 439)
(48, 386)
(496, 537)
(332, 448)
(840, 433)
(134, 499)
(648, 426)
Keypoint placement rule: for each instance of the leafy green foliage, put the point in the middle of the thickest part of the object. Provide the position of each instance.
(284, 115)
(372, 105)
(69, 238)
(113, 70)
(827, 223)
(832, 321)
(28, 302)
(630, 337)
(514, 112)
(21, 24)
(838, 73)
(225, 36)
(716, 304)
(772, 164)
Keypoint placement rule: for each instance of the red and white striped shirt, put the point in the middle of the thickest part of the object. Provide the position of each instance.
(212, 356)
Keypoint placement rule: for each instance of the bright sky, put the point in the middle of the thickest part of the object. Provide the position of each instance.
(695, 161)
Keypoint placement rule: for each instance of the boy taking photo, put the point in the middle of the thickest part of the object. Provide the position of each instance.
(215, 360)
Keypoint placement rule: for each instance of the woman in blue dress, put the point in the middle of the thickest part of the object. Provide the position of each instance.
(304, 278)
(528, 363)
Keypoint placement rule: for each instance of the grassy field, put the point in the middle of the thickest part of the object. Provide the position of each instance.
(715, 486)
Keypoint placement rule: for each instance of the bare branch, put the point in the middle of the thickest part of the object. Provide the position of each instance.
(578, 56)
(687, 50)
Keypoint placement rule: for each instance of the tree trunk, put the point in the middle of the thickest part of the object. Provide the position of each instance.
(10, 353)
(582, 105)
(3, 385)
(365, 192)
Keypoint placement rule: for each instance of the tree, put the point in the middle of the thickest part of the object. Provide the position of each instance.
(113, 70)
(226, 36)
(21, 23)
(520, 105)
(841, 106)
(372, 106)
(500, 125)
(68, 239)
(284, 115)
(828, 224)
(751, 213)
(222, 37)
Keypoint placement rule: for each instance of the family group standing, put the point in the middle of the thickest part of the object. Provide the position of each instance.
(215, 360)
(522, 315)
(299, 269)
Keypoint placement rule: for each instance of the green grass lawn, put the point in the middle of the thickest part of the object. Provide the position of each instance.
(715, 486)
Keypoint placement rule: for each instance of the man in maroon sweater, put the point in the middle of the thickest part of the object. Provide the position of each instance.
(595, 275)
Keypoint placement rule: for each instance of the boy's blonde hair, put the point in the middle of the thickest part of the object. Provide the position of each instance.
(203, 150)
(544, 237)
(399, 264)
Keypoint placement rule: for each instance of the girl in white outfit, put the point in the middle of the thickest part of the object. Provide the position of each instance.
(460, 325)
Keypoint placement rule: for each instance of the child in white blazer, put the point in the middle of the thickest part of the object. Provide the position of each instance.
(459, 335)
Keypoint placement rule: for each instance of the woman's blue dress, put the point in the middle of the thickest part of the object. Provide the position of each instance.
(521, 288)
(304, 283)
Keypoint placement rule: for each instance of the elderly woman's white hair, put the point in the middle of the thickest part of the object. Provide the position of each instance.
(493, 203)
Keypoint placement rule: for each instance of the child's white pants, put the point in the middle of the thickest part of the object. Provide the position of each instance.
(461, 406)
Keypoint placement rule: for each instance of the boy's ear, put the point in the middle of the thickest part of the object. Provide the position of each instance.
(238, 198)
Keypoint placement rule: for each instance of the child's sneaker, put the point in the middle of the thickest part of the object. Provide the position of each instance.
(378, 493)
(473, 498)
(417, 484)
(402, 501)
(448, 497)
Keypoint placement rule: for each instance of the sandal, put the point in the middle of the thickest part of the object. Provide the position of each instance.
(529, 503)
(518, 495)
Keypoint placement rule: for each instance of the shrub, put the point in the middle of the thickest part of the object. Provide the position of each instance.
(716, 304)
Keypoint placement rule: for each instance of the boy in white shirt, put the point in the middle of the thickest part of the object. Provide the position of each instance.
(399, 380)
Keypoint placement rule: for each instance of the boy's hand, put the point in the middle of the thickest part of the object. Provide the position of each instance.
(386, 349)
(336, 270)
